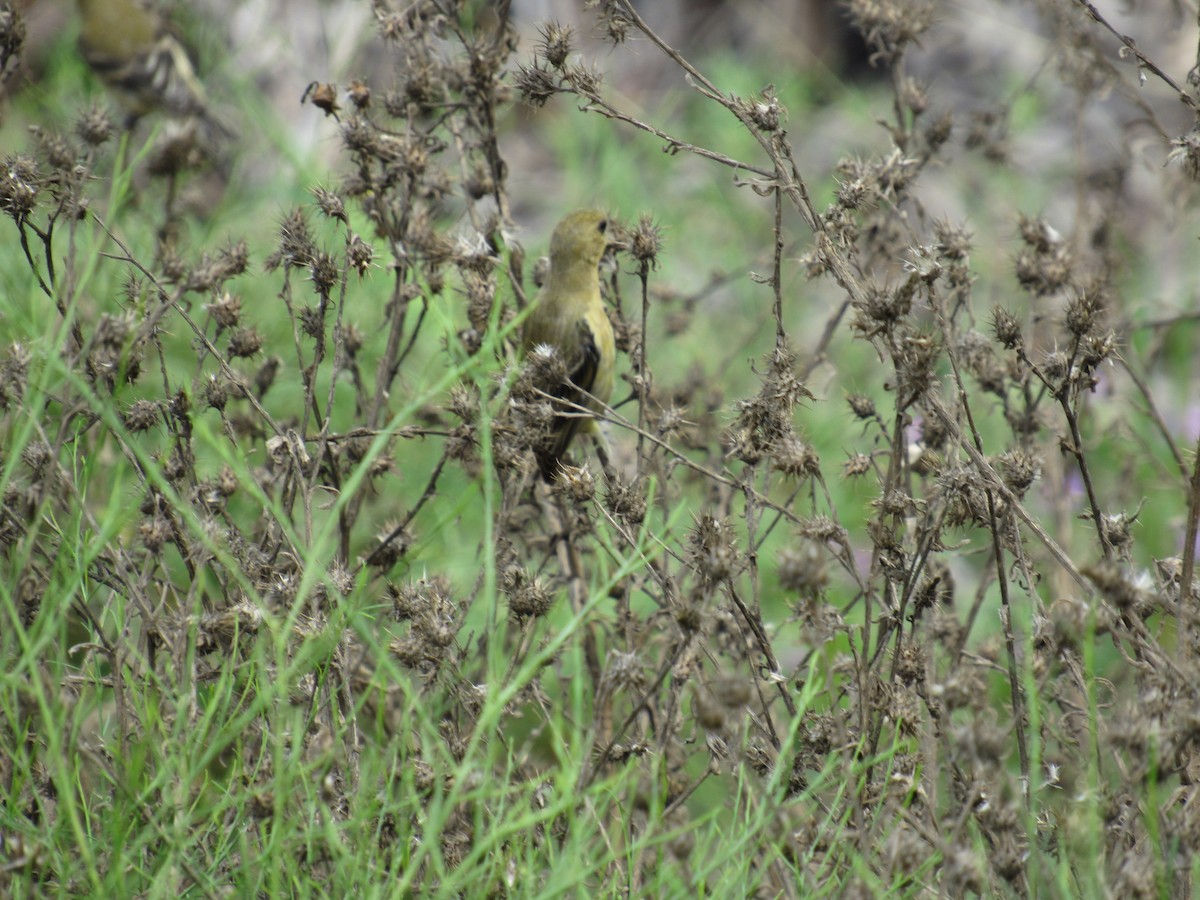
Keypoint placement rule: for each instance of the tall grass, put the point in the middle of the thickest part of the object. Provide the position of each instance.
(887, 588)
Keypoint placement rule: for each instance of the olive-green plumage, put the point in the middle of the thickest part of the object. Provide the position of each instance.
(128, 44)
(569, 316)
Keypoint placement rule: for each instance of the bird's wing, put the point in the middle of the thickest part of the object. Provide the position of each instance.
(581, 380)
(583, 375)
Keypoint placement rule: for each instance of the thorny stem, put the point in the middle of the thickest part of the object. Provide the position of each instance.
(754, 621)
(751, 518)
(389, 361)
(643, 382)
(323, 450)
(428, 494)
(776, 276)
(996, 483)
(1076, 450)
(588, 774)
(1144, 62)
(1155, 415)
(1187, 575)
(1016, 692)
(597, 104)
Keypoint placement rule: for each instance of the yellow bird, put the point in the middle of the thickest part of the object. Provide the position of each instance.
(568, 316)
(129, 46)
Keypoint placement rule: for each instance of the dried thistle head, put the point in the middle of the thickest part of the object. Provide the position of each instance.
(1007, 329)
(711, 550)
(554, 44)
(614, 21)
(804, 569)
(20, 184)
(330, 204)
(626, 501)
(528, 598)
(95, 127)
(1186, 151)
(536, 84)
(645, 241)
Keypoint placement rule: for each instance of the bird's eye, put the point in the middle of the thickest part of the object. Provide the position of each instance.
(603, 226)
